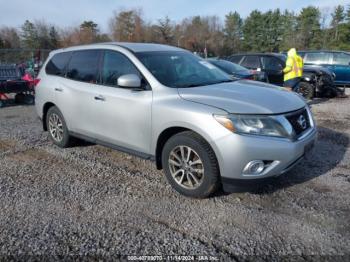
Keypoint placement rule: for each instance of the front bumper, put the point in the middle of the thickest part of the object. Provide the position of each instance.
(243, 185)
(235, 151)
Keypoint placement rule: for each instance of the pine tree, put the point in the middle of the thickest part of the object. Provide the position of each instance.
(29, 35)
(309, 28)
(88, 32)
(54, 38)
(253, 29)
(347, 17)
(288, 25)
(233, 32)
(337, 18)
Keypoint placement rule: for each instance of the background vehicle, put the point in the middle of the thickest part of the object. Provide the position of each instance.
(316, 81)
(164, 103)
(13, 80)
(236, 70)
(337, 61)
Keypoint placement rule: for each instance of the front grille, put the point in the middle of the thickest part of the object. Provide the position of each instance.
(299, 120)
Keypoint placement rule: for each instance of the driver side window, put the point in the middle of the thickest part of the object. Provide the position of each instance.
(271, 63)
(115, 65)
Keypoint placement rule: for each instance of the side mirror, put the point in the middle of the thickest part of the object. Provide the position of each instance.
(129, 81)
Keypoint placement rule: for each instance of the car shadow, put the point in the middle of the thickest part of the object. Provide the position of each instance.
(328, 152)
(316, 101)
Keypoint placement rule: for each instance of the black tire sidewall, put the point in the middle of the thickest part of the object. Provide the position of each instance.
(309, 88)
(29, 99)
(66, 138)
(19, 98)
(211, 173)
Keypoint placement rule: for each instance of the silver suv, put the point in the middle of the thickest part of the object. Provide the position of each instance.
(166, 104)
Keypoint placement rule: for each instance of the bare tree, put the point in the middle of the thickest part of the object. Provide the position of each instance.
(165, 30)
(127, 26)
(9, 37)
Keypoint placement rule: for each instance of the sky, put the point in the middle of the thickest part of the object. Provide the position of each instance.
(66, 13)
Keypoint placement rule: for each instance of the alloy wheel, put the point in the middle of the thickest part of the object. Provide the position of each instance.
(186, 167)
(56, 127)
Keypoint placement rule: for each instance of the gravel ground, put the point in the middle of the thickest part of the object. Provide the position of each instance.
(94, 202)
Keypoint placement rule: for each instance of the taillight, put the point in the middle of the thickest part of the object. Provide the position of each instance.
(36, 81)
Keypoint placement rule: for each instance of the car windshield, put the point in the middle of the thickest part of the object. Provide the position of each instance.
(181, 69)
(227, 66)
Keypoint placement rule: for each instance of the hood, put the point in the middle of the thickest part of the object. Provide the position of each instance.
(244, 97)
(317, 69)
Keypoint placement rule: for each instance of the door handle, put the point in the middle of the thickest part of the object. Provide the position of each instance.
(59, 89)
(100, 98)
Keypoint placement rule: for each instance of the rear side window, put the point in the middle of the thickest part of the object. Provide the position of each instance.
(57, 64)
(115, 65)
(317, 58)
(235, 59)
(341, 59)
(251, 62)
(83, 66)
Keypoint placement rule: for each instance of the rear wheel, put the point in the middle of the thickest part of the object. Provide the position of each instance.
(329, 92)
(57, 128)
(29, 99)
(190, 165)
(306, 90)
(19, 98)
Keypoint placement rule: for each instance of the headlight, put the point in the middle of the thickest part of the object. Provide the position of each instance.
(276, 126)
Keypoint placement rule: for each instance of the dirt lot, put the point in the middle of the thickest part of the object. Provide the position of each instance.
(96, 202)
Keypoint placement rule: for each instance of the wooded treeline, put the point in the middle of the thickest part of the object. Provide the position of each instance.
(274, 30)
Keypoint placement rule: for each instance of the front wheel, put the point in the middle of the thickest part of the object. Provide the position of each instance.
(306, 90)
(190, 165)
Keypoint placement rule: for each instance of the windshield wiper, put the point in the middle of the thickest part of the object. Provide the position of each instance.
(192, 85)
(227, 81)
(207, 84)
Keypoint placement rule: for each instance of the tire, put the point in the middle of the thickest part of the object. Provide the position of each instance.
(189, 179)
(330, 92)
(306, 90)
(62, 137)
(20, 98)
(29, 99)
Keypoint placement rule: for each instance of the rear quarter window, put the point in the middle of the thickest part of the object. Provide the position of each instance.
(57, 64)
(341, 59)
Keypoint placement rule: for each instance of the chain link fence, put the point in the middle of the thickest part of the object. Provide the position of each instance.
(29, 60)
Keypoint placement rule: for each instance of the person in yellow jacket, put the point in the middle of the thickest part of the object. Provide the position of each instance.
(293, 70)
